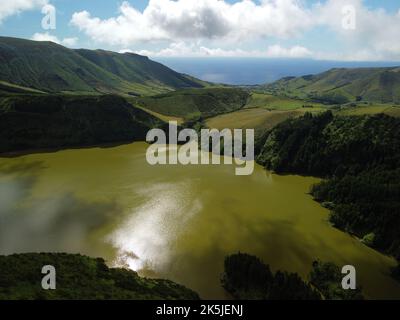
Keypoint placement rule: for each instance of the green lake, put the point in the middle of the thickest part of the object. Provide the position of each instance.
(173, 221)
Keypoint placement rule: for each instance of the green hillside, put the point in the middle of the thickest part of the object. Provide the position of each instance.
(193, 103)
(80, 278)
(13, 89)
(139, 69)
(55, 121)
(50, 67)
(326, 145)
(339, 86)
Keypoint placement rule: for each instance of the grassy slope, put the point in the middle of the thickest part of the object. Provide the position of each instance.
(263, 120)
(259, 119)
(11, 89)
(139, 69)
(50, 67)
(380, 85)
(160, 116)
(262, 112)
(193, 103)
(80, 278)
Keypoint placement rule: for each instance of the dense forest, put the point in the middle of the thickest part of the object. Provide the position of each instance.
(246, 277)
(80, 278)
(368, 205)
(57, 121)
(327, 278)
(360, 158)
(325, 145)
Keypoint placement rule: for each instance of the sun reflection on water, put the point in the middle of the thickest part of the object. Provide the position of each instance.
(145, 240)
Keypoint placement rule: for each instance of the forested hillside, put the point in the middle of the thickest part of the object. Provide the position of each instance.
(32, 122)
(80, 278)
(246, 277)
(360, 156)
(327, 145)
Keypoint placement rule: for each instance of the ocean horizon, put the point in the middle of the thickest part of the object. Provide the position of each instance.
(254, 71)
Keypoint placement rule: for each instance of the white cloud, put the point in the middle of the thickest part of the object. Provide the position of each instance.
(182, 49)
(376, 32)
(68, 42)
(224, 25)
(194, 19)
(12, 7)
(277, 51)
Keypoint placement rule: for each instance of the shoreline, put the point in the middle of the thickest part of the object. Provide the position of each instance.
(25, 152)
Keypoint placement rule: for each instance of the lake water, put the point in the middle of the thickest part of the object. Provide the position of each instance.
(176, 222)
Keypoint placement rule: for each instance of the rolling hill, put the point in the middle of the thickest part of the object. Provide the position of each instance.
(338, 86)
(50, 67)
(192, 103)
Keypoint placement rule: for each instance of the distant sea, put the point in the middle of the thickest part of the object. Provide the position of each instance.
(251, 71)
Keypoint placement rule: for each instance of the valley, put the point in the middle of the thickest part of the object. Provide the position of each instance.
(329, 142)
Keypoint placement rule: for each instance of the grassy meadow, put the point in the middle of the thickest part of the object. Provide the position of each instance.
(272, 102)
(255, 118)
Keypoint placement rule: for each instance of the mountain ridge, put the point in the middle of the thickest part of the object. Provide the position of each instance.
(50, 67)
(343, 85)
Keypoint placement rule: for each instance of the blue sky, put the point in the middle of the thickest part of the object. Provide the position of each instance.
(226, 28)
